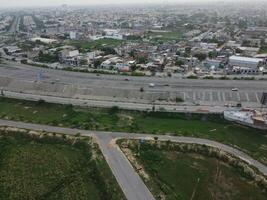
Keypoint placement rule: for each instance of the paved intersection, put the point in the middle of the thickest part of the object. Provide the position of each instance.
(131, 184)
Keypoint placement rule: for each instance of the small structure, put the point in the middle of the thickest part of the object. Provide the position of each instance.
(44, 40)
(247, 117)
(12, 50)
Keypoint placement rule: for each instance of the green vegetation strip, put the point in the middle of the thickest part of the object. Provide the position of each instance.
(165, 36)
(188, 171)
(209, 126)
(53, 167)
(97, 44)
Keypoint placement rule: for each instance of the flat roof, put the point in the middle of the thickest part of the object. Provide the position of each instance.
(45, 40)
(246, 59)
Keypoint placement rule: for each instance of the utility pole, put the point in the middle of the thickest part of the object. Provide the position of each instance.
(2, 92)
(263, 100)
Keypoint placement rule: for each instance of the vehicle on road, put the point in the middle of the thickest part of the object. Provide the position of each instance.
(235, 89)
(151, 85)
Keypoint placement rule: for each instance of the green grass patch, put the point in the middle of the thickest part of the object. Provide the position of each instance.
(179, 100)
(263, 49)
(192, 77)
(165, 36)
(209, 77)
(210, 126)
(97, 44)
(176, 175)
(53, 168)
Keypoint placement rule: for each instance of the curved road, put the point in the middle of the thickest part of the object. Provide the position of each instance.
(131, 184)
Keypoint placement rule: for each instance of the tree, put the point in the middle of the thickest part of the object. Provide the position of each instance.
(246, 43)
(212, 54)
(108, 50)
(47, 58)
(83, 62)
(178, 53)
(201, 56)
(24, 61)
(179, 62)
(133, 68)
(132, 53)
(114, 110)
(153, 108)
(188, 50)
(97, 63)
(242, 24)
(141, 60)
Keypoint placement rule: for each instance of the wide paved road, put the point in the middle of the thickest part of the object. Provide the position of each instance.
(131, 184)
(22, 78)
(108, 104)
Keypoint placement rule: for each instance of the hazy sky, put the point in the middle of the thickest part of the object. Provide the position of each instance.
(15, 3)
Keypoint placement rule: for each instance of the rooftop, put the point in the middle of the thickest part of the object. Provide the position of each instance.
(245, 59)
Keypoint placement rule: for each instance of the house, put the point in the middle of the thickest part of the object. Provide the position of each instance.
(248, 51)
(122, 67)
(108, 34)
(10, 50)
(111, 63)
(212, 63)
(69, 57)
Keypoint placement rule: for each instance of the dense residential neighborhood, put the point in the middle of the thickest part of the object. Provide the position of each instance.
(196, 41)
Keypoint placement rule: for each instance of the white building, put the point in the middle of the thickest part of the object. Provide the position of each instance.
(44, 40)
(109, 34)
(245, 65)
(69, 57)
(248, 62)
(73, 35)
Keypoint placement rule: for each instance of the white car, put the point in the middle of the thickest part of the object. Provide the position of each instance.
(151, 85)
(235, 89)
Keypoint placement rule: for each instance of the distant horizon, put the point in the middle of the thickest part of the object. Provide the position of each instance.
(58, 3)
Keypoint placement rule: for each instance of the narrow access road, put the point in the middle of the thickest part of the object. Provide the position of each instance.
(131, 184)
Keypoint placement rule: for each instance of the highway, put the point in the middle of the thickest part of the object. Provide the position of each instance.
(108, 104)
(131, 184)
(15, 25)
(20, 78)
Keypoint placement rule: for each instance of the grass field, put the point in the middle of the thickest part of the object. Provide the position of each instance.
(97, 44)
(165, 36)
(34, 168)
(214, 127)
(174, 175)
